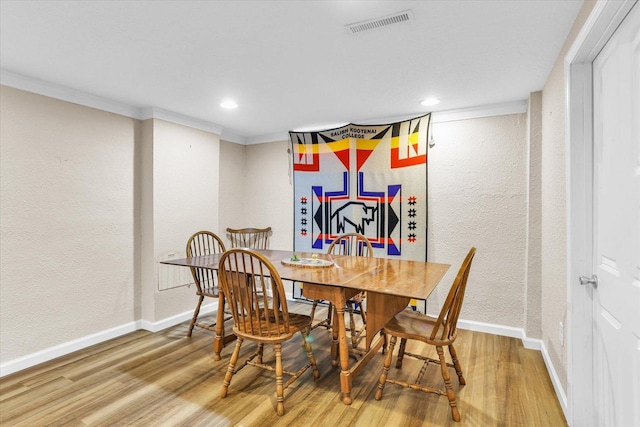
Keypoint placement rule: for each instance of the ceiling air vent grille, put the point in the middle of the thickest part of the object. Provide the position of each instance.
(372, 24)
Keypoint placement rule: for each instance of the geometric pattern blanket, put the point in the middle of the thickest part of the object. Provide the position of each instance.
(369, 179)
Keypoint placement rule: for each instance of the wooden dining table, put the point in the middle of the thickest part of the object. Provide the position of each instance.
(389, 283)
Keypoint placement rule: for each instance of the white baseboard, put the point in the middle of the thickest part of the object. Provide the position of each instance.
(529, 343)
(50, 353)
(84, 342)
(63, 349)
(178, 318)
(555, 380)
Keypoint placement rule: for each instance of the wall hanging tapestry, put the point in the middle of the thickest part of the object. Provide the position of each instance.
(369, 179)
(366, 179)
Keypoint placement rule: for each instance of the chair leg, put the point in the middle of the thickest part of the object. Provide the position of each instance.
(352, 326)
(260, 352)
(363, 314)
(385, 368)
(362, 330)
(310, 356)
(335, 344)
(279, 386)
(326, 322)
(447, 384)
(403, 345)
(313, 309)
(195, 315)
(456, 364)
(231, 368)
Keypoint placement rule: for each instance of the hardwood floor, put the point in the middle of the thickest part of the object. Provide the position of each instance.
(167, 379)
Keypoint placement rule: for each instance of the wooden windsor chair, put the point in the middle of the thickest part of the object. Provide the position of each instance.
(254, 238)
(438, 332)
(352, 244)
(206, 281)
(260, 314)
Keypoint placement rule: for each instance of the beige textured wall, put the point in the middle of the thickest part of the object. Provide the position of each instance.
(477, 197)
(270, 191)
(533, 271)
(185, 200)
(554, 207)
(90, 201)
(233, 178)
(67, 223)
(256, 189)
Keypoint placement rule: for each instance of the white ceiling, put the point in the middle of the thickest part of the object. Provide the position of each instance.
(288, 64)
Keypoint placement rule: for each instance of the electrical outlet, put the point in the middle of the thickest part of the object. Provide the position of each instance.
(561, 334)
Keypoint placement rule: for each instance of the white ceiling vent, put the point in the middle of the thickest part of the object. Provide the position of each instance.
(372, 24)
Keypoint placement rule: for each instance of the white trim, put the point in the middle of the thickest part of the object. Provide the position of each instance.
(503, 109)
(63, 93)
(490, 328)
(232, 137)
(528, 343)
(75, 96)
(63, 349)
(598, 28)
(178, 318)
(68, 94)
(263, 139)
(555, 380)
(81, 343)
(169, 116)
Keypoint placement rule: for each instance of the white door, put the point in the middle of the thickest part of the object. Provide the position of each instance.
(616, 227)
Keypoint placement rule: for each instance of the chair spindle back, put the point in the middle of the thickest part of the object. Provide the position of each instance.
(447, 323)
(253, 238)
(204, 243)
(255, 294)
(353, 244)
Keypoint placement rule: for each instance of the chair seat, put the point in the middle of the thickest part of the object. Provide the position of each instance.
(413, 325)
(297, 322)
(210, 291)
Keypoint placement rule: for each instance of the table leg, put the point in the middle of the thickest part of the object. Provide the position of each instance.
(343, 346)
(340, 344)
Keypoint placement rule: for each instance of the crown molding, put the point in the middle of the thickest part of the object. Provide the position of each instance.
(262, 139)
(64, 93)
(502, 109)
(68, 94)
(169, 116)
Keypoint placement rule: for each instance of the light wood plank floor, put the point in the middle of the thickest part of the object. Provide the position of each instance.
(167, 379)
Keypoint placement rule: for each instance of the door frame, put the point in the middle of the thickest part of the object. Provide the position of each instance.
(604, 19)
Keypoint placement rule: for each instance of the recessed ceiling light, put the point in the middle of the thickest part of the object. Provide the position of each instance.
(430, 102)
(229, 104)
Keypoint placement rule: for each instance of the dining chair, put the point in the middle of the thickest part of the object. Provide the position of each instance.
(352, 244)
(438, 332)
(203, 243)
(260, 314)
(254, 238)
